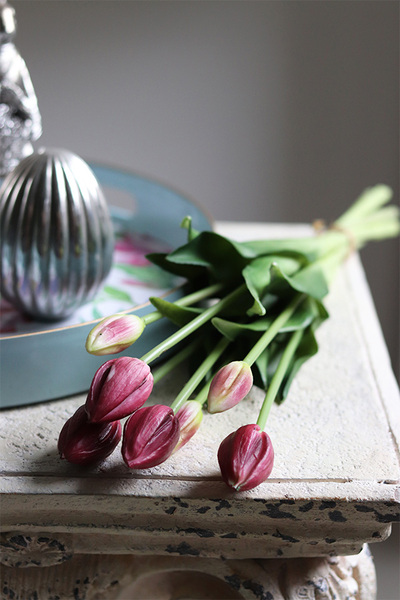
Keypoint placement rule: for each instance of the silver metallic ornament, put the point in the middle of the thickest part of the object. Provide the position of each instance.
(20, 120)
(56, 239)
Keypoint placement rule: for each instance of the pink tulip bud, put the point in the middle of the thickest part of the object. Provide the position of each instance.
(150, 436)
(229, 386)
(246, 458)
(82, 443)
(119, 387)
(190, 416)
(114, 334)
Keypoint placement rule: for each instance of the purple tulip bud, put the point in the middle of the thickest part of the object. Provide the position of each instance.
(229, 386)
(190, 416)
(119, 387)
(246, 458)
(150, 436)
(83, 443)
(114, 334)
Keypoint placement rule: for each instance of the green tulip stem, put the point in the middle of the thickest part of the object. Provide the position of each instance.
(202, 395)
(278, 377)
(199, 374)
(188, 300)
(273, 330)
(193, 325)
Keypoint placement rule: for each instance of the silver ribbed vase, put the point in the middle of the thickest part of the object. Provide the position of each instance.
(56, 240)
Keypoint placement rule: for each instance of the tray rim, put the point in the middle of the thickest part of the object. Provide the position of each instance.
(53, 358)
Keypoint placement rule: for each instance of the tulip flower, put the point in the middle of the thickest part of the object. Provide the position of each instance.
(246, 458)
(114, 334)
(119, 387)
(82, 442)
(150, 436)
(190, 416)
(229, 386)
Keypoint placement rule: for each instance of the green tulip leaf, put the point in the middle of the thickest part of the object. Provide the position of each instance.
(267, 362)
(263, 273)
(189, 271)
(311, 280)
(303, 249)
(187, 224)
(179, 315)
(216, 253)
(305, 314)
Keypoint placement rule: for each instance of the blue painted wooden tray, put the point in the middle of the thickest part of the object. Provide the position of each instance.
(44, 362)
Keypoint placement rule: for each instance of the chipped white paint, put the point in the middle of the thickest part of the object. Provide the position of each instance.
(334, 486)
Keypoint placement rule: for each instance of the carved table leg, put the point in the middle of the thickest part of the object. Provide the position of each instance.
(112, 577)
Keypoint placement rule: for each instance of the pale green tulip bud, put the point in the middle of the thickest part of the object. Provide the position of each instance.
(190, 416)
(114, 334)
(229, 386)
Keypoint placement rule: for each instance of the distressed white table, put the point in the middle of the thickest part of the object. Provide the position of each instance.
(176, 531)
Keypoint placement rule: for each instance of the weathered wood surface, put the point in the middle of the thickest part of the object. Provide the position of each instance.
(334, 486)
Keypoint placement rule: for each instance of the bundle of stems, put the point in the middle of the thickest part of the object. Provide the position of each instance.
(268, 287)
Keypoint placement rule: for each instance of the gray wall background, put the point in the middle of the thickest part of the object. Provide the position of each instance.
(261, 111)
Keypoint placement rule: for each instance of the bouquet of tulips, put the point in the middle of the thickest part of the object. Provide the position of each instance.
(249, 319)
